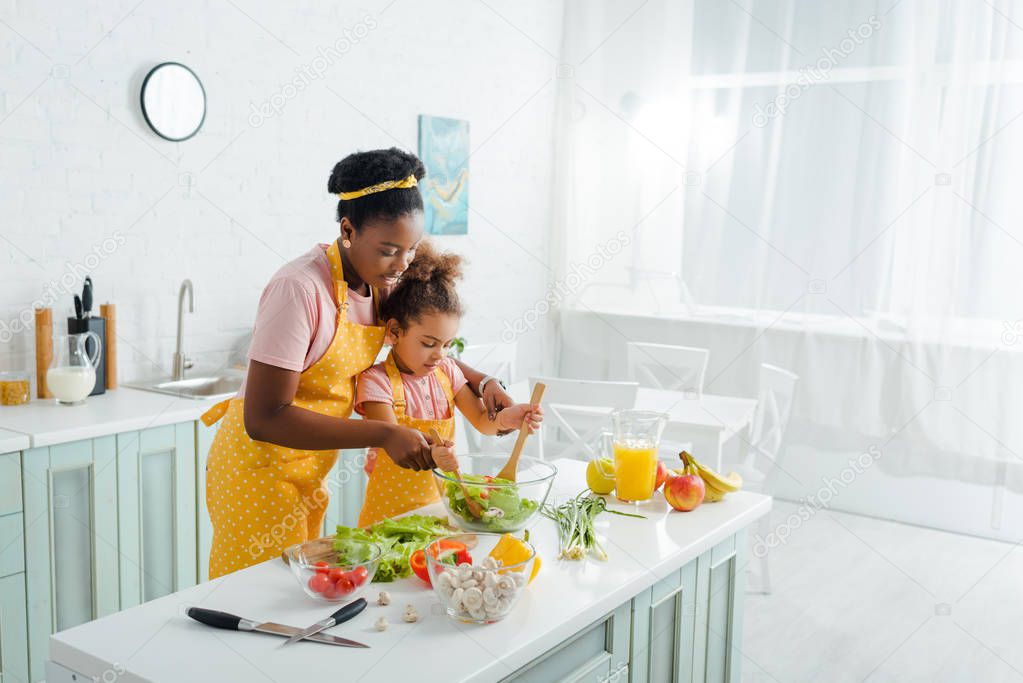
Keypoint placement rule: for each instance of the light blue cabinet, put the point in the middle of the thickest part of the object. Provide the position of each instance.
(13, 630)
(156, 512)
(347, 487)
(688, 626)
(204, 527)
(598, 653)
(685, 628)
(13, 601)
(70, 538)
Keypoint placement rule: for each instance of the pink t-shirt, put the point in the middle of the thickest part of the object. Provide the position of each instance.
(424, 396)
(297, 313)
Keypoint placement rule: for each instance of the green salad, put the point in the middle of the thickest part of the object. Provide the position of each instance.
(504, 508)
(398, 538)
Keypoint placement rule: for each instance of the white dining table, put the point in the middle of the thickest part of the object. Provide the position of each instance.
(705, 423)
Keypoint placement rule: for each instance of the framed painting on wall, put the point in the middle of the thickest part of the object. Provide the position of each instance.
(444, 149)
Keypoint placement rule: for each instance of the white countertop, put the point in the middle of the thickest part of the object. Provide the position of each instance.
(157, 642)
(46, 423)
(12, 441)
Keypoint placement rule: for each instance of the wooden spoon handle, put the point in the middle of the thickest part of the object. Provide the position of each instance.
(512, 466)
(474, 509)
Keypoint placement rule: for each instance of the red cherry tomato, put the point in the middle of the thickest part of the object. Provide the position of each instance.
(320, 583)
(335, 573)
(322, 567)
(418, 563)
(358, 575)
(484, 494)
(344, 586)
(331, 591)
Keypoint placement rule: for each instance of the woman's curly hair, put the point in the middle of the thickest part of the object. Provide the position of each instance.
(363, 169)
(427, 286)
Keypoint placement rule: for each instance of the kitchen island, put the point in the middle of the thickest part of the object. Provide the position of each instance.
(667, 605)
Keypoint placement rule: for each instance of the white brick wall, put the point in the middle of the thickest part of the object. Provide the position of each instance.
(80, 166)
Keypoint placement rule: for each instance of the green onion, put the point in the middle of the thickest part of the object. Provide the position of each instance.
(574, 518)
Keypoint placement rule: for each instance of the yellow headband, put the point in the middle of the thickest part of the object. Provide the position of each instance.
(380, 187)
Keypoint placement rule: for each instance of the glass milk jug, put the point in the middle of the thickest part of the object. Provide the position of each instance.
(72, 374)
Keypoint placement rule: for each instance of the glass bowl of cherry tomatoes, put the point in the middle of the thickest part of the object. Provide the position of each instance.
(324, 575)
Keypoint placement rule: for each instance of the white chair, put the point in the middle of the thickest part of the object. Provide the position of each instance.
(759, 469)
(497, 360)
(675, 368)
(662, 366)
(576, 412)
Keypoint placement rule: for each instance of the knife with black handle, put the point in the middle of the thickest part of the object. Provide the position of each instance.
(344, 614)
(87, 297)
(232, 622)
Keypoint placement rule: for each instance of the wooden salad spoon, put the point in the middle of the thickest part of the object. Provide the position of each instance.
(510, 469)
(475, 509)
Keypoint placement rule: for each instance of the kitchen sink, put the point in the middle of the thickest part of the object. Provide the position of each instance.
(206, 388)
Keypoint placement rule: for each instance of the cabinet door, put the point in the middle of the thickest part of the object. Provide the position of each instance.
(663, 622)
(204, 528)
(347, 487)
(71, 539)
(598, 654)
(10, 483)
(157, 511)
(13, 630)
(720, 592)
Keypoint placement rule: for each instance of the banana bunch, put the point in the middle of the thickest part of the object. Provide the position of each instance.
(716, 485)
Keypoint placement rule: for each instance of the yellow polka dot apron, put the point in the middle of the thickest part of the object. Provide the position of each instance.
(262, 497)
(393, 490)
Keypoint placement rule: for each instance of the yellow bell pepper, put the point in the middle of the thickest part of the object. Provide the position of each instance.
(510, 550)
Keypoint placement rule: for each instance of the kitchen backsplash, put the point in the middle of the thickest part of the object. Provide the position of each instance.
(291, 88)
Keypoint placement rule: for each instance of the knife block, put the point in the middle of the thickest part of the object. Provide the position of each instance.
(99, 326)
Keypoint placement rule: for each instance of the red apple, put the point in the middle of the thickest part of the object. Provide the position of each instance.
(662, 475)
(684, 492)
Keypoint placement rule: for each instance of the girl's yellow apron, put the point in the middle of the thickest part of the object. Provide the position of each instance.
(262, 497)
(393, 490)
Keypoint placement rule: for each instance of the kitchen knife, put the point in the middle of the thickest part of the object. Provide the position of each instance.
(78, 307)
(233, 622)
(344, 614)
(87, 297)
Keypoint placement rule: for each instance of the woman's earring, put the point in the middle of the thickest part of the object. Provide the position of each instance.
(347, 244)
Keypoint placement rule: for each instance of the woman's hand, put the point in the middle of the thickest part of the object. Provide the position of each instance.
(408, 448)
(495, 398)
(512, 417)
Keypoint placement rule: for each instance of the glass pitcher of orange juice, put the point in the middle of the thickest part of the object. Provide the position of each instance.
(635, 438)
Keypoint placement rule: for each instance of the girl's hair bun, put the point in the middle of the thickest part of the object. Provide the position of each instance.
(426, 286)
(432, 265)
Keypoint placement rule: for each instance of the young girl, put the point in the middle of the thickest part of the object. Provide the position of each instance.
(419, 387)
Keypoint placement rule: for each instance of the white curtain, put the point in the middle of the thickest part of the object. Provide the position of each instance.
(832, 187)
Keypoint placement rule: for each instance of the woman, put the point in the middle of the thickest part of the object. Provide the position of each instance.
(316, 329)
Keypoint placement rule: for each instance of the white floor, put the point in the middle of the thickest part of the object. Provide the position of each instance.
(861, 599)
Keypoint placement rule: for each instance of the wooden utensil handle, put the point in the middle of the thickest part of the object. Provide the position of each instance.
(534, 400)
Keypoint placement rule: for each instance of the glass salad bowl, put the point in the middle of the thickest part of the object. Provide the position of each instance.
(506, 506)
(324, 575)
(486, 589)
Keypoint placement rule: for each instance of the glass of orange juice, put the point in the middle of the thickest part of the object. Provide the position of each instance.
(635, 439)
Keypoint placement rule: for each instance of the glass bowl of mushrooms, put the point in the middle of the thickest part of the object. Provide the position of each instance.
(486, 589)
(479, 501)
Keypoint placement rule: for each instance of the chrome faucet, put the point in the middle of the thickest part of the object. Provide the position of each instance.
(181, 362)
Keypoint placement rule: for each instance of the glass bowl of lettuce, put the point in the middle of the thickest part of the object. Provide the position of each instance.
(506, 505)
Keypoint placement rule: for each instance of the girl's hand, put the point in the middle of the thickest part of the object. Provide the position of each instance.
(443, 454)
(512, 417)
